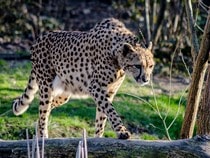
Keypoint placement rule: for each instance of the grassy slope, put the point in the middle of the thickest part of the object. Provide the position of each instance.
(71, 118)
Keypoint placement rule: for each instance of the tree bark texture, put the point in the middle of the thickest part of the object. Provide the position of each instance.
(204, 110)
(198, 147)
(198, 75)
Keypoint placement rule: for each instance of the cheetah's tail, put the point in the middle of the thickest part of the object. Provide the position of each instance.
(21, 104)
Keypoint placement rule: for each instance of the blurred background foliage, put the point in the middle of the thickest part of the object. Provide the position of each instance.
(21, 21)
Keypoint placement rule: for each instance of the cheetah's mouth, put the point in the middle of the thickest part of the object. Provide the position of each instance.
(141, 79)
(138, 78)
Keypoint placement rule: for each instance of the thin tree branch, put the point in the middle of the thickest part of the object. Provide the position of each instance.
(147, 21)
(192, 30)
(159, 21)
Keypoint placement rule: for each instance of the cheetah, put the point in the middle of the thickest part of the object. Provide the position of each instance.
(95, 62)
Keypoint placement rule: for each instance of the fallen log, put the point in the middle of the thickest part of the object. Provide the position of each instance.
(198, 147)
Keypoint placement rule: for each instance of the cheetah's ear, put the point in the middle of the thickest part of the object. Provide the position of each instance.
(127, 48)
(150, 46)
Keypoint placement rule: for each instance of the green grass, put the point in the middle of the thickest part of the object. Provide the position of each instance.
(70, 119)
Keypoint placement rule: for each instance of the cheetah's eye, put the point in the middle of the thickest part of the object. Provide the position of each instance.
(151, 66)
(138, 66)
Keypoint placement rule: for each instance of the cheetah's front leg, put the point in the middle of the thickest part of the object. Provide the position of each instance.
(100, 123)
(104, 106)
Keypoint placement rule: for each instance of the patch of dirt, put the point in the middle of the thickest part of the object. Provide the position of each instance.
(173, 85)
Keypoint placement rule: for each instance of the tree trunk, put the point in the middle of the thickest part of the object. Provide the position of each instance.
(198, 75)
(198, 147)
(204, 110)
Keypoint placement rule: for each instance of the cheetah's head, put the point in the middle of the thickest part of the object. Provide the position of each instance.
(137, 62)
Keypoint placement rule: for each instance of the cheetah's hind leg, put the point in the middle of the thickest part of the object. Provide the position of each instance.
(52, 97)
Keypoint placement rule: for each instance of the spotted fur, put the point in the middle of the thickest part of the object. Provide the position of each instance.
(94, 63)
